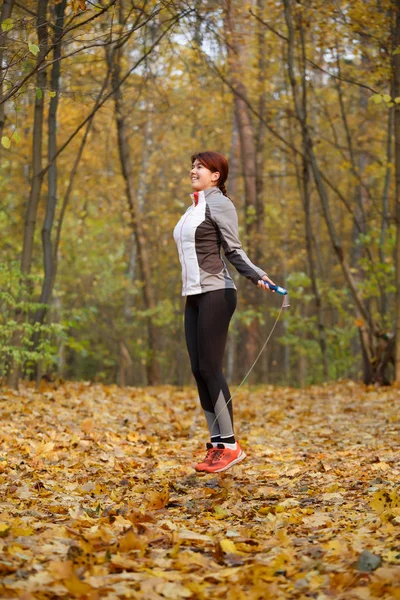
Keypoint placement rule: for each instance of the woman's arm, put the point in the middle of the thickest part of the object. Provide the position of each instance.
(227, 223)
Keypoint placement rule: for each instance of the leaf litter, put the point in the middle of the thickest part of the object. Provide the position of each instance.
(99, 498)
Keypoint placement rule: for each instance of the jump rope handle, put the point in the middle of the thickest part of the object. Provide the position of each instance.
(275, 288)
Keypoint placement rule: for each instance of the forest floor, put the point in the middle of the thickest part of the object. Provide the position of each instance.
(99, 498)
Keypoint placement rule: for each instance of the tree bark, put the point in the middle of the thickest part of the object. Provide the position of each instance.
(52, 196)
(305, 181)
(260, 133)
(396, 74)
(37, 176)
(248, 150)
(234, 174)
(385, 200)
(6, 11)
(48, 259)
(149, 299)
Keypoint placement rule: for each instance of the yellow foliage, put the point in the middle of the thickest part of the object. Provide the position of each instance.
(227, 546)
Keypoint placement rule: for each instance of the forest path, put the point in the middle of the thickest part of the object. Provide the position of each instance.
(99, 498)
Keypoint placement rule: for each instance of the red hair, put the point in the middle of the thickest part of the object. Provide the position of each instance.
(214, 162)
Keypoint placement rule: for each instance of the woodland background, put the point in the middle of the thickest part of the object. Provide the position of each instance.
(101, 106)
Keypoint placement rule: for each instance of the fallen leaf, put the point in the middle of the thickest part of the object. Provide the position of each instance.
(157, 500)
(227, 546)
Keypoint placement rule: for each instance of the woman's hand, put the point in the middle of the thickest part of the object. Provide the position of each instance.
(262, 285)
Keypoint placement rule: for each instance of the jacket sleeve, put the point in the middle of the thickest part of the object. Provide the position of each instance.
(227, 223)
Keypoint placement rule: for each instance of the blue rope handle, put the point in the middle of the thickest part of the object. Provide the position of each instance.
(275, 288)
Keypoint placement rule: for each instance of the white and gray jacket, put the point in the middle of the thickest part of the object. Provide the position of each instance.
(211, 222)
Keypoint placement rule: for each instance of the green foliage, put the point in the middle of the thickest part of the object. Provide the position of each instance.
(21, 339)
(7, 24)
(34, 48)
(248, 315)
(302, 335)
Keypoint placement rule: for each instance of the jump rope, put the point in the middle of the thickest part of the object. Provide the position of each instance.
(285, 304)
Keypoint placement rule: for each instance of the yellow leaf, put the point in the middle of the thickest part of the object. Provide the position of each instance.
(124, 562)
(87, 425)
(384, 500)
(34, 48)
(192, 536)
(7, 24)
(265, 510)
(334, 547)
(5, 141)
(4, 529)
(114, 496)
(173, 590)
(220, 512)
(61, 569)
(281, 561)
(228, 546)
(377, 98)
(78, 5)
(131, 541)
(23, 531)
(392, 556)
(76, 586)
(318, 519)
(14, 549)
(158, 500)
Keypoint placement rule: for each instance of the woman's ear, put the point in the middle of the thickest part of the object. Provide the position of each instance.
(215, 176)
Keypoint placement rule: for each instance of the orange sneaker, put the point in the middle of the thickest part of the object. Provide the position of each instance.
(224, 458)
(211, 450)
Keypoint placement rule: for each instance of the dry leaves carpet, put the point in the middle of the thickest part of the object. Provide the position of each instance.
(99, 498)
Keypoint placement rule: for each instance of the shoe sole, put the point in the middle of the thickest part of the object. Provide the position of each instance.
(241, 456)
(200, 470)
(202, 466)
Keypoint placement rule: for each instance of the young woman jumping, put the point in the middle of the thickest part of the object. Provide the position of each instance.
(211, 222)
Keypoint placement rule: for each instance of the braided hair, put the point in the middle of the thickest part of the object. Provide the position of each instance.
(216, 163)
(223, 189)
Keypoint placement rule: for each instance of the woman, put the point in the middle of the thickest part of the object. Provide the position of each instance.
(211, 222)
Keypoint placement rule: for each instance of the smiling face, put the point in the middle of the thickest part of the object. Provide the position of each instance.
(202, 178)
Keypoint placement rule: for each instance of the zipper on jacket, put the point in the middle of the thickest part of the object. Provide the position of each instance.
(182, 252)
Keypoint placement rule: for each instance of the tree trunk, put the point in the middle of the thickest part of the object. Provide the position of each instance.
(385, 200)
(248, 150)
(396, 69)
(37, 175)
(305, 180)
(6, 11)
(48, 260)
(260, 134)
(234, 167)
(149, 299)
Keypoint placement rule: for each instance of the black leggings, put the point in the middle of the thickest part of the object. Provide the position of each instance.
(207, 318)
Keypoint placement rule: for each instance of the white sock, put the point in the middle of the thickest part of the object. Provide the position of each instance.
(230, 446)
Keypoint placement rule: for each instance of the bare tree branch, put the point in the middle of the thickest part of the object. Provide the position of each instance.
(15, 88)
(101, 103)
